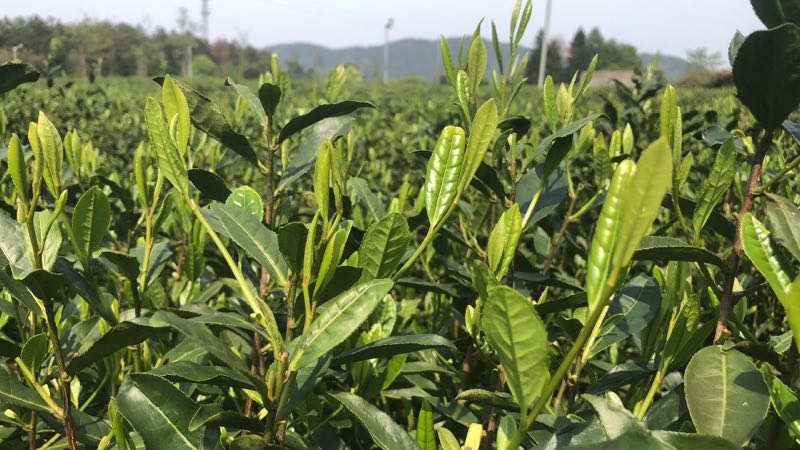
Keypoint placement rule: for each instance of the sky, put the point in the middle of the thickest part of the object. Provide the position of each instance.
(670, 26)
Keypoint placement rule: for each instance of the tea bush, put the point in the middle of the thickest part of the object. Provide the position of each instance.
(476, 265)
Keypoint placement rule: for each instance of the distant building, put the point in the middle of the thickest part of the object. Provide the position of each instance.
(607, 77)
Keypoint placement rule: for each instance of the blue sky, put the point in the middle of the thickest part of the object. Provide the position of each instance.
(672, 26)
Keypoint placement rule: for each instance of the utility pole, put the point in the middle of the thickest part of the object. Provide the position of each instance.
(14, 49)
(205, 13)
(545, 33)
(389, 24)
(189, 59)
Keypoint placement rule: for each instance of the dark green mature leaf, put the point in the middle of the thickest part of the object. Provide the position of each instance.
(340, 318)
(567, 131)
(19, 291)
(303, 158)
(120, 336)
(555, 191)
(386, 433)
(621, 375)
(694, 441)
(784, 217)
(515, 331)
(209, 184)
(393, 345)
(13, 392)
(716, 222)
(161, 413)
(269, 95)
(767, 74)
(214, 416)
(793, 128)
(664, 248)
(202, 337)
(90, 220)
(631, 310)
(45, 285)
(726, 394)
(384, 246)
(361, 192)
(251, 235)
(190, 372)
(208, 117)
(776, 12)
(13, 74)
(319, 113)
(500, 400)
(668, 410)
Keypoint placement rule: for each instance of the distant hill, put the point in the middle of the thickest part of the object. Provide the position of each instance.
(407, 57)
(411, 57)
(672, 66)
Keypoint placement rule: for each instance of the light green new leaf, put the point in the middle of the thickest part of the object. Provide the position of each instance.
(607, 233)
(159, 412)
(177, 110)
(17, 168)
(784, 217)
(447, 61)
(515, 331)
(476, 63)
(247, 198)
(503, 240)
(386, 433)
(332, 256)
(726, 394)
(784, 401)
(765, 255)
(481, 133)
(444, 171)
(792, 307)
(652, 177)
(670, 123)
(251, 235)
(722, 174)
(426, 436)
(549, 101)
(447, 440)
(339, 319)
(170, 162)
(383, 246)
(52, 151)
(90, 220)
(322, 178)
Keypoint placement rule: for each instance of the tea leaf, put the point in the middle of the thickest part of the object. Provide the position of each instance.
(517, 334)
(726, 395)
(386, 433)
(340, 318)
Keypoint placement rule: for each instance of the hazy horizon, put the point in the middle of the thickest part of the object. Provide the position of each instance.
(647, 24)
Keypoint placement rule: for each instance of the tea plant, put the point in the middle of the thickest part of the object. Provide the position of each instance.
(484, 267)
